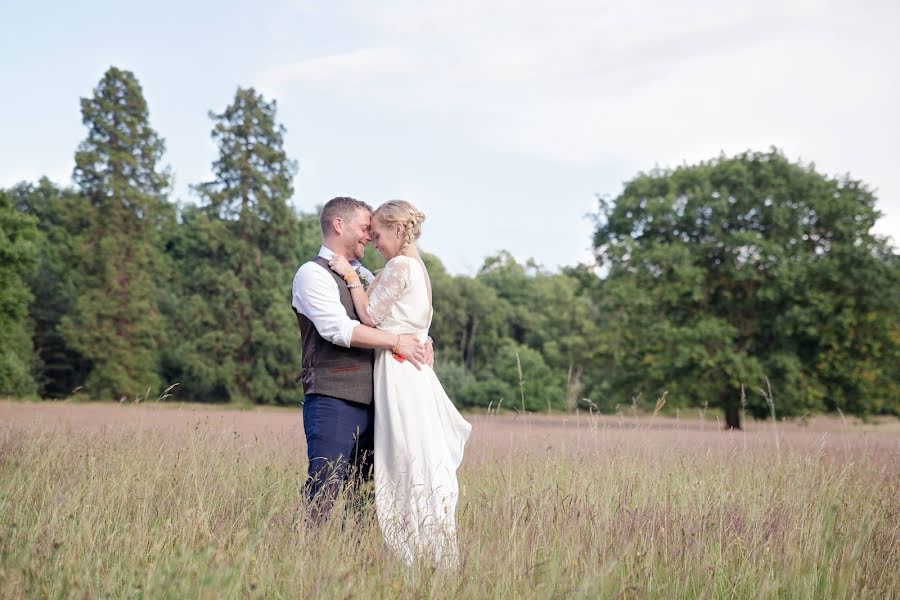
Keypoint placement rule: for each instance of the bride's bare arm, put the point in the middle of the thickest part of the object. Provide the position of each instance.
(360, 301)
(390, 284)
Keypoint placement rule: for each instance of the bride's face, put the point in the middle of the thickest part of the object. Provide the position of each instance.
(387, 238)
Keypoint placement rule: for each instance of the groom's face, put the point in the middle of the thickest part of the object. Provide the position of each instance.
(357, 233)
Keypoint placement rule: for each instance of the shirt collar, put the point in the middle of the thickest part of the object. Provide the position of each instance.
(327, 253)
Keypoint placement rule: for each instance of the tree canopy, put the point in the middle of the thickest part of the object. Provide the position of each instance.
(712, 281)
(116, 322)
(235, 256)
(18, 251)
(739, 269)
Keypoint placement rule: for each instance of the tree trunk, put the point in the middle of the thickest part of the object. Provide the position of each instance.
(573, 387)
(470, 349)
(732, 415)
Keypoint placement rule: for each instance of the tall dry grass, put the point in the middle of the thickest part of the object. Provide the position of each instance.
(561, 507)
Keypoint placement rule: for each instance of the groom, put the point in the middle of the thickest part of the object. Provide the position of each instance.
(338, 357)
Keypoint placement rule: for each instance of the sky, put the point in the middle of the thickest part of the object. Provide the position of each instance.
(502, 120)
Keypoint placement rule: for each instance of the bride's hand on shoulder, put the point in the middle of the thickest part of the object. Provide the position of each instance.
(340, 265)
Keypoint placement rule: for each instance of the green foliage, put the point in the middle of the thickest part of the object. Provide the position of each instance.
(308, 239)
(509, 309)
(454, 378)
(552, 315)
(116, 323)
(523, 370)
(55, 283)
(731, 271)
(235, 257)
(18, 249)
(469, 316)
(710, 279)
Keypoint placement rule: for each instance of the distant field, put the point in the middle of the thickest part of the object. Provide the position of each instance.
(109, 500)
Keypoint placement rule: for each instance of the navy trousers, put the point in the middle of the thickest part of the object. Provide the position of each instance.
(339, 444)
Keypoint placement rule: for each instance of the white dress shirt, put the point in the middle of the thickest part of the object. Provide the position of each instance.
(315, 295)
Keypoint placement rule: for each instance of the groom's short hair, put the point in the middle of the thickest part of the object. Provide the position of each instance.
(342, 207)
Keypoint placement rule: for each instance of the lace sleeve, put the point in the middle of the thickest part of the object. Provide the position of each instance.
(391, 285)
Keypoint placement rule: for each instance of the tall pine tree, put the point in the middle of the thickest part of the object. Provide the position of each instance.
(237, 254)
(116, 322)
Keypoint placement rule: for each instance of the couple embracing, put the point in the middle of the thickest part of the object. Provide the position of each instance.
(371, 398)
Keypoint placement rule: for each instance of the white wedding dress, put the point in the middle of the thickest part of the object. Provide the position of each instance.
(419, 434)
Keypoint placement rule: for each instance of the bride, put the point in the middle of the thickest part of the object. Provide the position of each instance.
(419, 434)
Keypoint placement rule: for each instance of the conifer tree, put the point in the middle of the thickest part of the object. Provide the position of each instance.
(116, 323)
(237, 254)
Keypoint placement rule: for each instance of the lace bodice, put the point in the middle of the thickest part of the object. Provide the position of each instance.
(398, 301)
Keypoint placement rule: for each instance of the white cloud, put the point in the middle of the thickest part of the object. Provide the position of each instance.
(637, 84)
(349, 70)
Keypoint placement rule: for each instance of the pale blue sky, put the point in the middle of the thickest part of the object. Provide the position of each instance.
(500, 119)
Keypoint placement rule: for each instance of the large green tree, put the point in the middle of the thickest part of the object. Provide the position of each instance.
(513, 334)
(549, 314)
(61, 214)
(18, 249)
(735, 270)
(116, 324)
(237, 254)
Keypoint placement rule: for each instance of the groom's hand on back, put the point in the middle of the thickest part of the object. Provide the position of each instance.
(412, 349)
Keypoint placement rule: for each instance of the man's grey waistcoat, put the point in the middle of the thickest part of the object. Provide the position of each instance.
(330, 369)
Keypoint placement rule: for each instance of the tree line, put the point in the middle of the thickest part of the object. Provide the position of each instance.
(739, 283)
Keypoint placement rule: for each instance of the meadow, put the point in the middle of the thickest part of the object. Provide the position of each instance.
(186, 501)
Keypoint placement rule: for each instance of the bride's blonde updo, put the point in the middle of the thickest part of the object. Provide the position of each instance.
(393, 212)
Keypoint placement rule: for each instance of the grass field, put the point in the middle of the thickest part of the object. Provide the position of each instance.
(158, 501)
